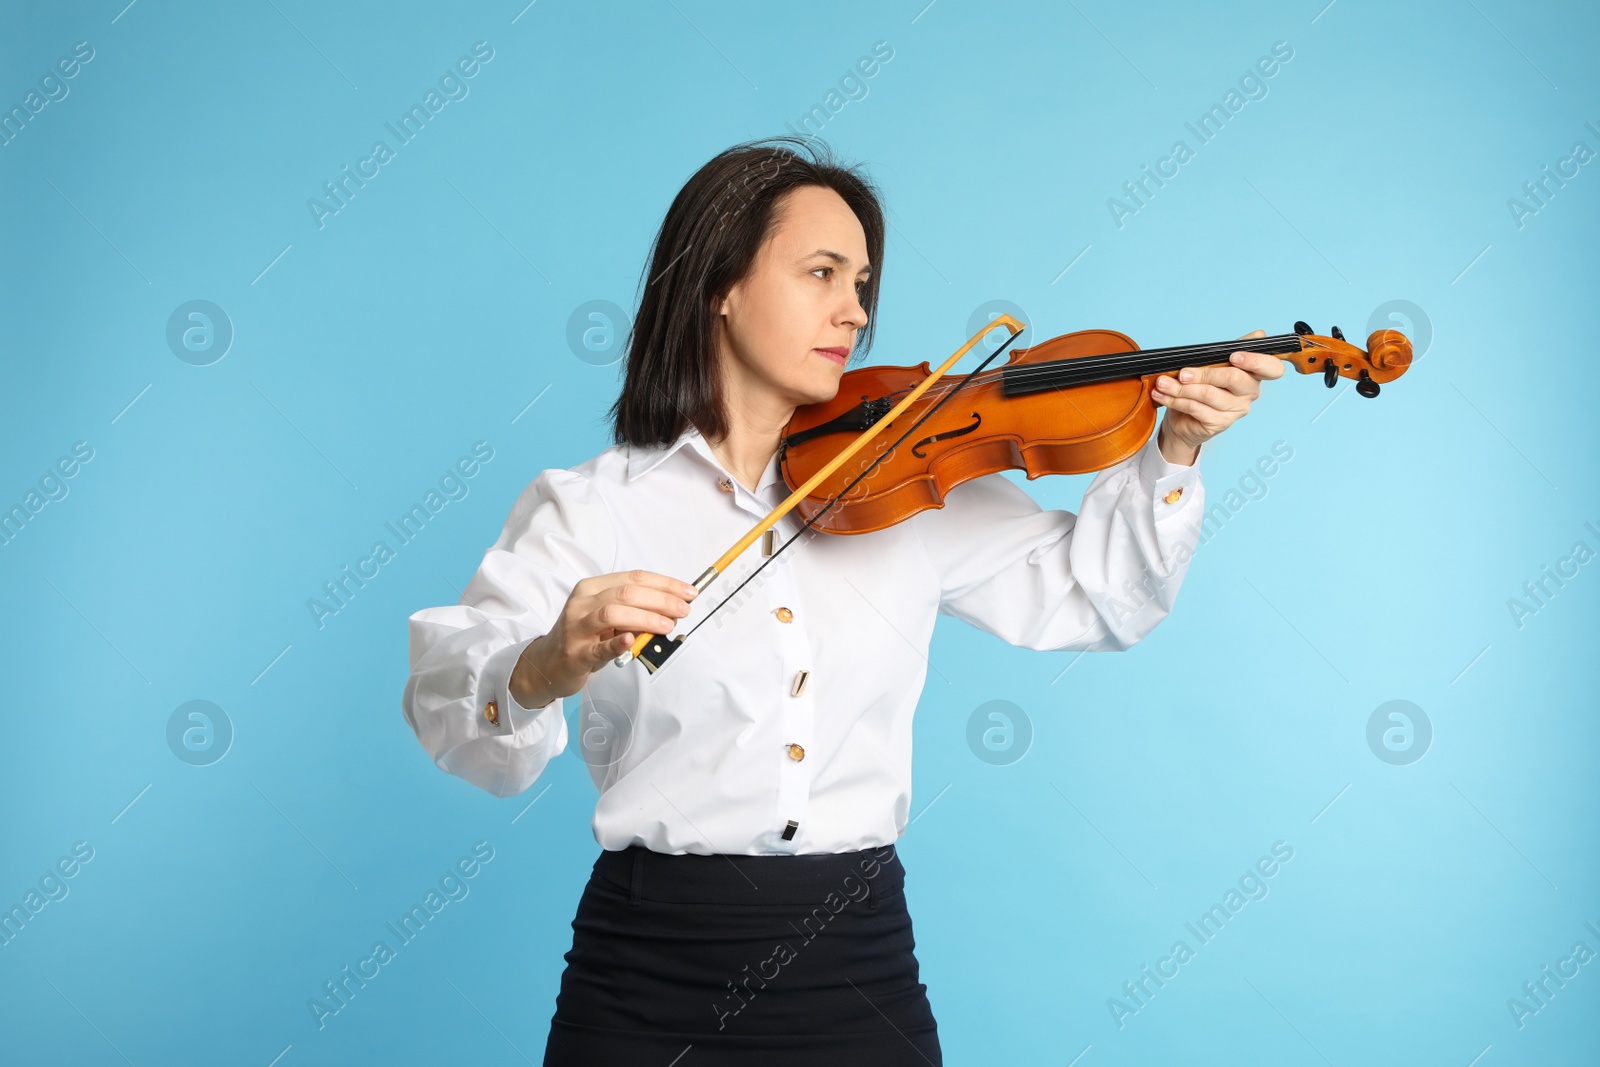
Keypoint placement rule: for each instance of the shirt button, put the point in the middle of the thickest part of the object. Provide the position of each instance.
(799, 685)
(784, 614)
(725, 485)
(1172, 497)
(491, 711)
(796, 753)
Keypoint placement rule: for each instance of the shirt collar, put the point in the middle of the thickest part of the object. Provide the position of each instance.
(642, 461)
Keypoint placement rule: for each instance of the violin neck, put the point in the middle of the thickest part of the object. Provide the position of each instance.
(1086, 370)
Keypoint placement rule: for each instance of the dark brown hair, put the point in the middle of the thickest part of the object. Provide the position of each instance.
(707, 243)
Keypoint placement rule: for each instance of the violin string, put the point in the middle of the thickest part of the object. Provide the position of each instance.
(865, 471)
(1152, 358)
(1149, 358)
(1066, 372)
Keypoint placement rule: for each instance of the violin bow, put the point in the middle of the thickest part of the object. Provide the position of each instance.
(653, 649)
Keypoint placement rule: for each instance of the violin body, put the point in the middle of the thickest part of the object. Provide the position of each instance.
(977, 432)
(1073, 404)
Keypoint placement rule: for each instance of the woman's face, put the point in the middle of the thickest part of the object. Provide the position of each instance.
(802, 295)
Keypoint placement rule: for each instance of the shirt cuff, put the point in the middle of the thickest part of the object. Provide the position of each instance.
(1173, 485)
(509, 717)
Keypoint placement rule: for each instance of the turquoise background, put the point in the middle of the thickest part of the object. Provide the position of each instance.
(1375, 564)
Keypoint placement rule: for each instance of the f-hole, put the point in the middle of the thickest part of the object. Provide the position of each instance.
(916, 449)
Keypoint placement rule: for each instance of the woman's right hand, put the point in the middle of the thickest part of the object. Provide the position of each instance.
(599, 622)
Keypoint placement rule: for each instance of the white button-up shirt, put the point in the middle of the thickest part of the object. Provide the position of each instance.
(698, 756)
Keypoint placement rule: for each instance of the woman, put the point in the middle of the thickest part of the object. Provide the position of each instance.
(748, 904)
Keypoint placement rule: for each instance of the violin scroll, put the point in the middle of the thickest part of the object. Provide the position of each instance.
(1390, 348)
(1387, 355)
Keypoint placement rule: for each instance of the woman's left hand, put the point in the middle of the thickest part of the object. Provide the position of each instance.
(1204, 401)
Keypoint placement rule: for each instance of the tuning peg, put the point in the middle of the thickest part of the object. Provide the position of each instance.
(1338, 334)
(1330, 373)
(1366, 386)
(1301, 328)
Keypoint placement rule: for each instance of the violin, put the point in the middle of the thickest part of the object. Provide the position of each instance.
(1076, 403)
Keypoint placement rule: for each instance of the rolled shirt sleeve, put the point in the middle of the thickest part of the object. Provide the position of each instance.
(558, 533)
(1049, 580)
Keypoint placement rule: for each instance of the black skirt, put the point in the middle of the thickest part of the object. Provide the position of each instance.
(696, 961)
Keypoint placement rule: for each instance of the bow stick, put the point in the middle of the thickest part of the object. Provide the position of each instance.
(653, 649)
